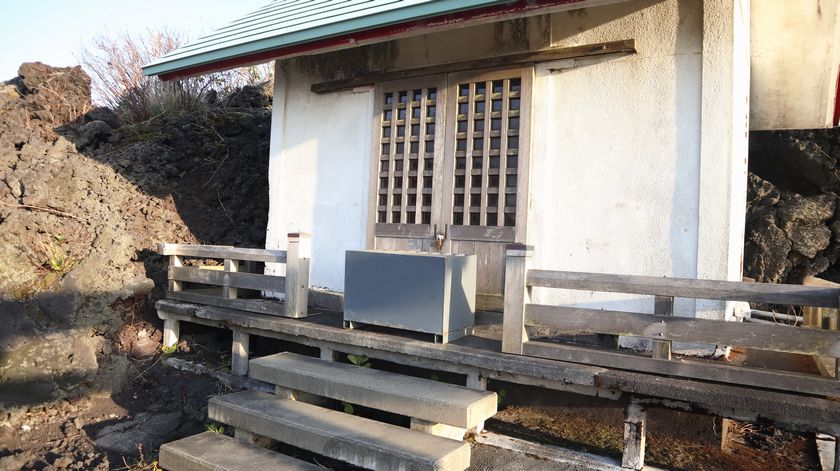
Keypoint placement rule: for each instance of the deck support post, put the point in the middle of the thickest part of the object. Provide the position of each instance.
(517, 295)
(438, 429)
(302, 396)
(328, 354)
(253, 438)
(298, 253)
(475, 380)
(634, 437)
(239, 353)
(171, 331)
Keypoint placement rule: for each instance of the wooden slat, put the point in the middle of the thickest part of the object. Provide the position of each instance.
(481, 233)
(222, 252)
(687, 288)
(627, 46)
(230, 279)
(403, 230)
(261, 306)
(722, 373)
(686, 329)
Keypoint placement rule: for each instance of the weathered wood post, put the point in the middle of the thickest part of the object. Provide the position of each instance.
(517, 294)
(239, 353)
(476, 380)
(634, 437)
(298, 253)
(229, 292)
(663, 306)
(171, 327)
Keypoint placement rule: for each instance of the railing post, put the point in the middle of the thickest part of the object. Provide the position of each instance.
(517, 295)
(298, 254)
(229, 292)
(663, 306)
(175, 261)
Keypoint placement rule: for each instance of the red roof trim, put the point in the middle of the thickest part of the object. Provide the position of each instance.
(367, 36)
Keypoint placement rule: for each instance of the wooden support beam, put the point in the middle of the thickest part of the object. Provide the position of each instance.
(663, 306)
(685, 368)
(627, 46)
(239, 353)
(634, 437)
(517, 295)
(778, 338)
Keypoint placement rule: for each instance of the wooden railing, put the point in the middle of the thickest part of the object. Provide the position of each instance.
(663, 328)
(221, 285)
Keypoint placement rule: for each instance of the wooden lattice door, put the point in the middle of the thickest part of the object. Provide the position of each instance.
(486, 174)
(451, 163)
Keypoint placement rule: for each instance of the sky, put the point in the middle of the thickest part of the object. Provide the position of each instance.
(56, 31)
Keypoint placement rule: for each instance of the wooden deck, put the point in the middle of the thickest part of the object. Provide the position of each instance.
(479, 357)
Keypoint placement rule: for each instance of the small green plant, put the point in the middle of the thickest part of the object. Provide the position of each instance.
(59, 238)
(215, 428)
(168, 351)
(359, 360)
(348, 408)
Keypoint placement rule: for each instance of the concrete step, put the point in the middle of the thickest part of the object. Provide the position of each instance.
(210, 451)
(352, 439)
(405, 395)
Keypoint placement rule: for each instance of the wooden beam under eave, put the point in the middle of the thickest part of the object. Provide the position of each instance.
(624, 47)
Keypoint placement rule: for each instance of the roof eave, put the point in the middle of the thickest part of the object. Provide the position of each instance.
(289, 46)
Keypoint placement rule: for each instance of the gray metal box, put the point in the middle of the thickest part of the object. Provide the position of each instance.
(422, 292)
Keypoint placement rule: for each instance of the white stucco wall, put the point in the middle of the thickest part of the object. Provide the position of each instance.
(616, 151)
(637, 162)
(795, 60)
(318, 171)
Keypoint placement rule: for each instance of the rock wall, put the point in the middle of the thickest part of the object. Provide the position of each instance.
(83, 203)
(793, 229)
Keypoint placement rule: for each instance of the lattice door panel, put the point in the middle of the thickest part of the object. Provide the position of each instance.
(486, 160)
(406, 156)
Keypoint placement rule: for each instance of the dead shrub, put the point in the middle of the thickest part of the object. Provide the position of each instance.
(115, 65)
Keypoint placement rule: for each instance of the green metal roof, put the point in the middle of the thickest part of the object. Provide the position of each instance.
(284, 23)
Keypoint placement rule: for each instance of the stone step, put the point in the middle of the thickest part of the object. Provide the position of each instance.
(210, 451)
(405, 395)
(349, 438)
